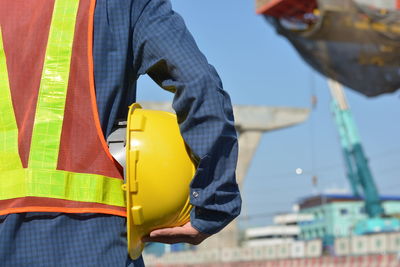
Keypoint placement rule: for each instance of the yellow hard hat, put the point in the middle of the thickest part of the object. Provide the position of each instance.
(159, 171)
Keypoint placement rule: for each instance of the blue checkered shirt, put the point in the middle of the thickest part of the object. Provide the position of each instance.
(132, 38)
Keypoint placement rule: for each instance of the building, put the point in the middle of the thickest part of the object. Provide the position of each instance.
(335, 216)
(285, 230)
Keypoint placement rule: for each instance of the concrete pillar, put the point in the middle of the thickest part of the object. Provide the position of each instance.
(248, 143)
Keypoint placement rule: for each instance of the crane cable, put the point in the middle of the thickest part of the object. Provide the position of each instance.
(313, 106)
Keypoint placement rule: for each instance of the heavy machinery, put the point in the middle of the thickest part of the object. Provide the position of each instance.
(357, 44)
(358, 171)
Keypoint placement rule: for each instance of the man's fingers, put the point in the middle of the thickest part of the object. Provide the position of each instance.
(169, 240)
(181, 234)
(171, 232)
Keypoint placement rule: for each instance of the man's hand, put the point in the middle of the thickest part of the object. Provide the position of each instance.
(182, 234)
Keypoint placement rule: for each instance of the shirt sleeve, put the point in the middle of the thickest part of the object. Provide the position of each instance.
(164, 49)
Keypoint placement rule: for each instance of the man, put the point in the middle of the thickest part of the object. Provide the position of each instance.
(124, 39)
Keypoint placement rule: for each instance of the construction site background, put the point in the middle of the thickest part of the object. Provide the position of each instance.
(355, 251)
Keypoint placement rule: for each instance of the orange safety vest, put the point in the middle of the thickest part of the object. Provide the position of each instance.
(53, 155)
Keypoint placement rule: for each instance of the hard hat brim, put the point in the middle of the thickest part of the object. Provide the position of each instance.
(136, 245)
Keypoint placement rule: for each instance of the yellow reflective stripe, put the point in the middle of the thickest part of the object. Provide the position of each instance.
(49, 116)
(9, 156)
(61, 185)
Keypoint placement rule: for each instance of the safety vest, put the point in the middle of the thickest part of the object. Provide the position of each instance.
(53, 155)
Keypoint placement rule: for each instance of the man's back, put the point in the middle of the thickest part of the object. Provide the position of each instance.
(131, 38)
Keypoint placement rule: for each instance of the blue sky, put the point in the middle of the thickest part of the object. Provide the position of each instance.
(258, 67)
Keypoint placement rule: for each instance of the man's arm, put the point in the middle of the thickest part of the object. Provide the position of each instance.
(164, 49)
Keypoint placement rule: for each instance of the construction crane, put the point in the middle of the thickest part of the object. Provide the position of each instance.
(358, 171)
